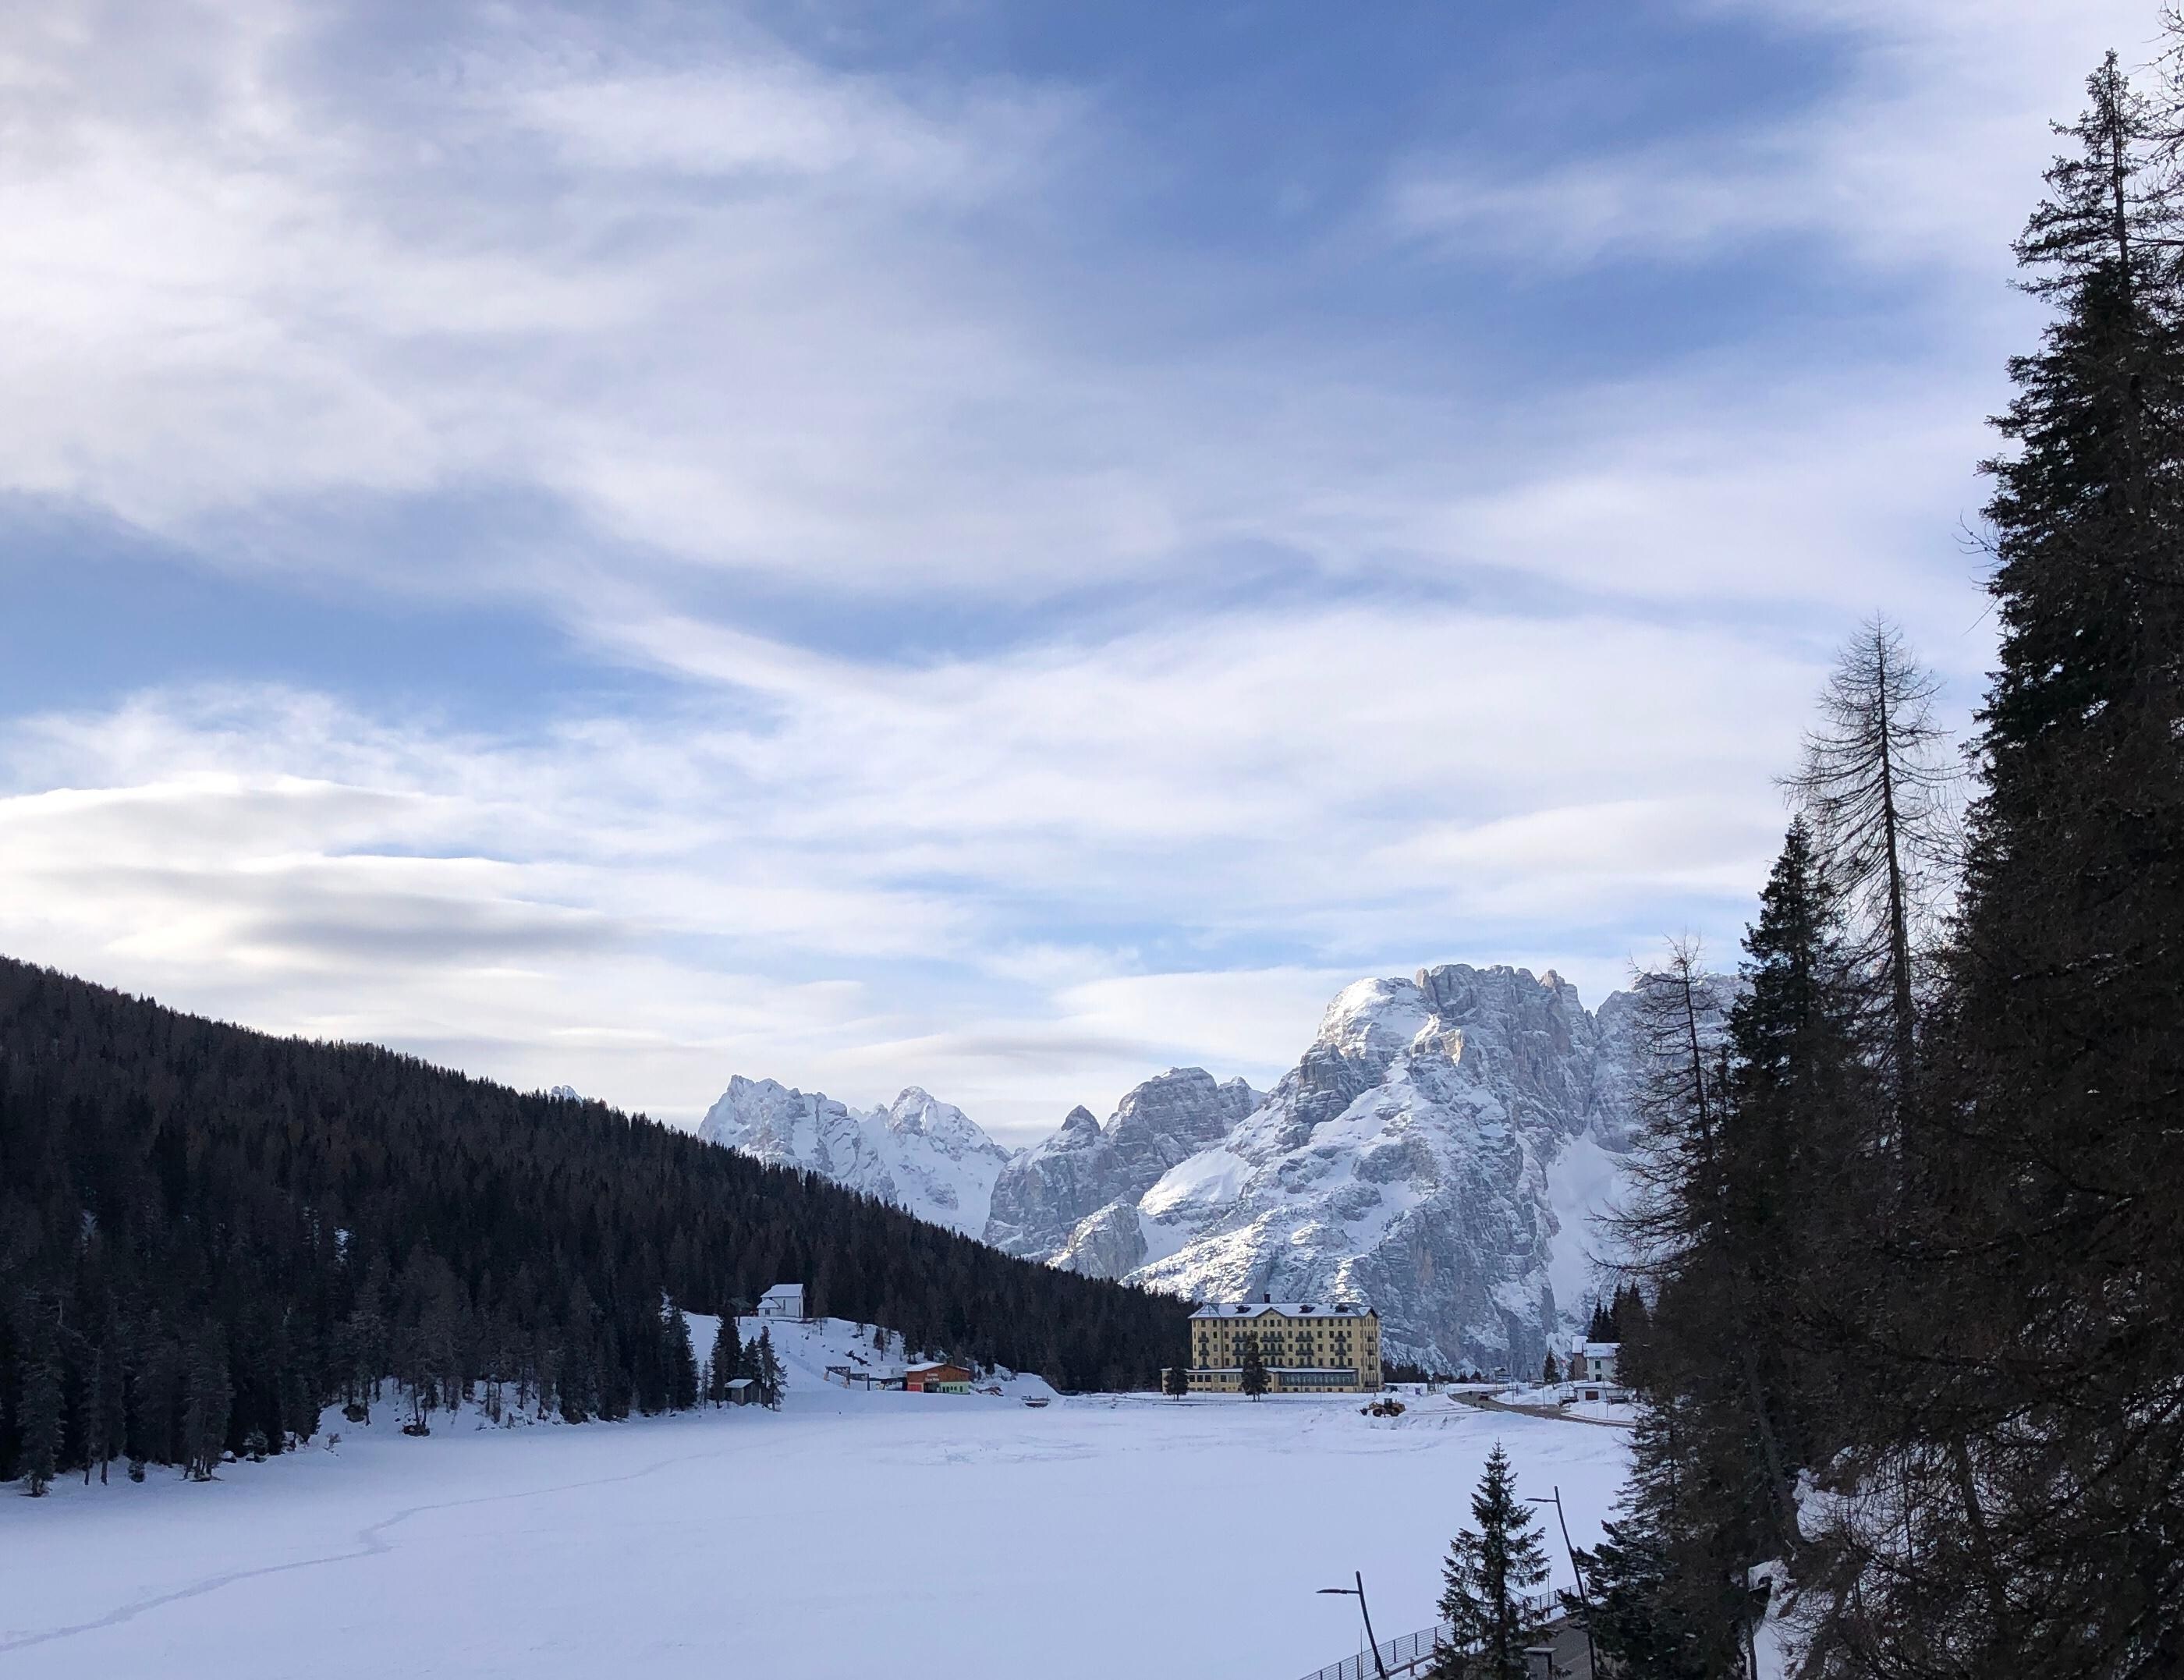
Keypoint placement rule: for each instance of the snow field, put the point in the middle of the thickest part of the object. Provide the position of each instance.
(852, 1533)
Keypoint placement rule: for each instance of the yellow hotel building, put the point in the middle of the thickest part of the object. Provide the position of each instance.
(1309, 1348)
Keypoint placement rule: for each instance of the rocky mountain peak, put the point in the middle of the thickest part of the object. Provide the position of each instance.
(1045, 1193)
(1438, 1148)
(926, 1156)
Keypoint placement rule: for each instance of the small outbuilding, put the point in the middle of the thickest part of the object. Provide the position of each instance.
(742, 1391)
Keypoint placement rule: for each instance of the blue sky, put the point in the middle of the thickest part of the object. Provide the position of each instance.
(997, 546)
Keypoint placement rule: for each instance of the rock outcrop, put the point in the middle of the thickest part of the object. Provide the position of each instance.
(925, 1156)
(1046, 1192)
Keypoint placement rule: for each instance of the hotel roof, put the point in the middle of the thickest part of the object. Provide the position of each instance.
(1286, 1309)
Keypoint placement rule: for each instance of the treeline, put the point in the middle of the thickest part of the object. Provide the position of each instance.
(1912, 1226)
(207, 1234)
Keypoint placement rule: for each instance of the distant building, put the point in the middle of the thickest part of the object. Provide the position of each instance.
(784, 1300)
(1593, 1361)
(937, 1379)
(742, 1391)
(1308, 1347)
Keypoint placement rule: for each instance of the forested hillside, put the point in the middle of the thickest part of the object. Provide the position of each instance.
(1913, 1226)
(206, 1233)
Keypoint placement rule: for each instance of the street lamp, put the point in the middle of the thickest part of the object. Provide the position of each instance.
(1358, 1594)
(1585, 1598)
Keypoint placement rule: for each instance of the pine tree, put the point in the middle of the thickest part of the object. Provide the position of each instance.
(2067, 1055)
(1178, 1379)
(104, 1413)
(1632, 1605)
(1676, 1203)
(38, 1409)
(1744, 1161)
(1487, 1582)
(363, 1354)
(1798, 1207)
(206, 1399)
(728, 1360)
(156, 1372)
(1876, 788)
(769, 1378)
(1253, 1377)
(682, 1363)
(1549, 1372)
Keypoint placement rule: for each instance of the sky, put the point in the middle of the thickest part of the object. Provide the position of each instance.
(994, 546)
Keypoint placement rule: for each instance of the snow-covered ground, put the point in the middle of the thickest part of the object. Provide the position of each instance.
(1568, 1398)
(852, 1533)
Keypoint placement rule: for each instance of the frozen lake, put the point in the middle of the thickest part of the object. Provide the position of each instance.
(848, 1534)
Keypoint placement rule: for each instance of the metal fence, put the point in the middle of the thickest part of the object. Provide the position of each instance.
(1396, 1656)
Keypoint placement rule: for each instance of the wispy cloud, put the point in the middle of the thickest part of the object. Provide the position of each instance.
(1925, 157)
(1312, 784)
(1074, 633)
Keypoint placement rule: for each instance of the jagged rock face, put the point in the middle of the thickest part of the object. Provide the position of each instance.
(1611, 1113)
(1046, 1192)
(1404, 1160)
(1171, 1118)
(927, 1157)
(1108, 1243)
(1436, 1150)
(1042, 1192)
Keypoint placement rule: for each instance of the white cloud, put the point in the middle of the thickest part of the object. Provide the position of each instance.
(839, 890)
(1927, 157)
(1249, 1021)
(767, 113)
(733, 313)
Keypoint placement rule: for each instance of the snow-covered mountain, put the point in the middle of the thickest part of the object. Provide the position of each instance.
(927, 1157)
(1439, 1149)
(1410, 1160)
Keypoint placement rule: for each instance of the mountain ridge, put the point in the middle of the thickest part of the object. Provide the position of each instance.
(1442, 1147)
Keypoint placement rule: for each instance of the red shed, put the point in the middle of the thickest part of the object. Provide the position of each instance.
(937, 1379)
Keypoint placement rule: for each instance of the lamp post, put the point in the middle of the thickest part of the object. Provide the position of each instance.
(1358, 1594)
(1584, 1597)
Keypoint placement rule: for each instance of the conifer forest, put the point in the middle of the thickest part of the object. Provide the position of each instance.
(1910, 1336)
(209, 1234)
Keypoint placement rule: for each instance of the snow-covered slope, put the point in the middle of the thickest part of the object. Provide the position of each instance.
(927, 1157)
(808, 1348)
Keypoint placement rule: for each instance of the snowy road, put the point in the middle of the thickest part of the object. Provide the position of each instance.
(850, 1534)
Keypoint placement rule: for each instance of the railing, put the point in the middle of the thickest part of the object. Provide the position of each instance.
(1407, 1652)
